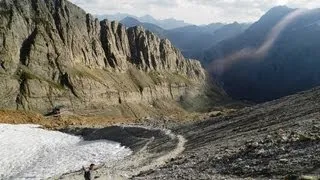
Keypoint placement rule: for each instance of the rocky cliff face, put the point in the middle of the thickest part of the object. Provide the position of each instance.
(53, 53)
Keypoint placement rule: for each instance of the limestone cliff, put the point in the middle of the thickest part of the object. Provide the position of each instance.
(53, 53)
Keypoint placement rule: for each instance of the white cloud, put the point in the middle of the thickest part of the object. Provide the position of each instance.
(193, 11)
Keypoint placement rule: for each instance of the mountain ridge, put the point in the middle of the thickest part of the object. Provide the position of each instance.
(287, 68)
(192, 40)
(67, 57)
(167, 24)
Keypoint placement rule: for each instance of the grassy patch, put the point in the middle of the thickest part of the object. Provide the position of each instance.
(156, 77)
(31, 75)
(5, 13)
(27, 117)
(85, 72)
(178, 78)
(140, 79)
(20, 117)
(169, 77)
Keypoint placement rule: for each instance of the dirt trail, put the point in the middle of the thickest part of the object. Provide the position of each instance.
(152, 148)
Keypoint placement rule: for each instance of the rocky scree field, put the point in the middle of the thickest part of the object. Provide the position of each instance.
(275, 140)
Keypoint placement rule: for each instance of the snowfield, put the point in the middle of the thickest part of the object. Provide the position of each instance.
(29, 152)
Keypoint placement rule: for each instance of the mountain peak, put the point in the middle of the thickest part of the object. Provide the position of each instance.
(270, 19)
(148, 19)
(130, 21)
(278, 10)
(130, 18)
(147, 16)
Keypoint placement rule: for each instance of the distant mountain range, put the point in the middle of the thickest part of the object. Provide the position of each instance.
(291, 65)
(165, 23)
(192, 40)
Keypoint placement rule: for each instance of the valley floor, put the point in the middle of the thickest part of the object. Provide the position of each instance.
(274, 140)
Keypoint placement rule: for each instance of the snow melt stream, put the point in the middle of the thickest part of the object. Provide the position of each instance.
(29, 152)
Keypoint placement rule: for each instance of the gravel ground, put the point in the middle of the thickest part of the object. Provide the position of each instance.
(151, 148)
(274, 140)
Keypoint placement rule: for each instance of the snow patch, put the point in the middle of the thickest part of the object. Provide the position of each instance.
(29, 152)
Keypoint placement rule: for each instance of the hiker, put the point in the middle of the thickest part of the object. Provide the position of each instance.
(88, 172)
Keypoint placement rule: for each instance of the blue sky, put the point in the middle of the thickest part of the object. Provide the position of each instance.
(193, 11)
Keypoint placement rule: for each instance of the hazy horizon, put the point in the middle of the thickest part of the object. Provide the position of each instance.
(196, 12)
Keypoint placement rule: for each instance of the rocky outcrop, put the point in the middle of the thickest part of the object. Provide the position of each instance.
(53, 53)
(116, 44)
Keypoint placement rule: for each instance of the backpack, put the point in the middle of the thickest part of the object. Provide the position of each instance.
(87, 175)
